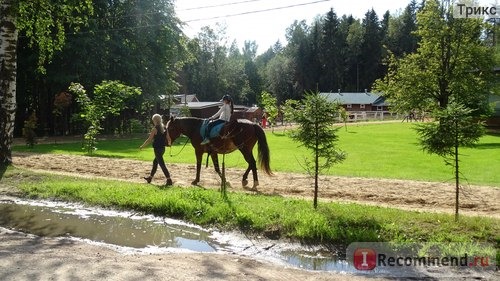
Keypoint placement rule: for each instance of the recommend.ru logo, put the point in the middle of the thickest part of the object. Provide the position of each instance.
(423, 259)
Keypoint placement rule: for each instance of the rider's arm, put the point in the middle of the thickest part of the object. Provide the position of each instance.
(217, 114)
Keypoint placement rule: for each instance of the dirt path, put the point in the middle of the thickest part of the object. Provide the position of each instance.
(404, 194)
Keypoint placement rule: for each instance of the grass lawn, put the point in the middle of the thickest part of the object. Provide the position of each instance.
(387, 150)
(271, 216)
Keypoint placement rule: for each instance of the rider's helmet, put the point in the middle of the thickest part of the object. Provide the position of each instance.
(226, 97)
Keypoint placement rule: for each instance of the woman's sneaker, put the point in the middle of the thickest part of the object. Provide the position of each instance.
(169, 182)
(148, 179)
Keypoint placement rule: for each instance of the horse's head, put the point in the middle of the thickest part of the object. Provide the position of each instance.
(173, 128)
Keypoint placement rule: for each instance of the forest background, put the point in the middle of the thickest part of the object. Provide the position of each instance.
(141, 44)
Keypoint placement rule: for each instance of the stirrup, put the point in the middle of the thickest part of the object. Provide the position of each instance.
(205, 141)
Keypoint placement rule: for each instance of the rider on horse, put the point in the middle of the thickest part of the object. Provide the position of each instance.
(224, 115)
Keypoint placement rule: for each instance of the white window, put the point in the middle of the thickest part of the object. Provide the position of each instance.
(362, 106)
(380, 108)
(348, 105)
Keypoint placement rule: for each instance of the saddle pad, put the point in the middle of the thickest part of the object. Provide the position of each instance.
(214, 132)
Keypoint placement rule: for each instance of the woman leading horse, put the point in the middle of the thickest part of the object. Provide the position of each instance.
(240, 134)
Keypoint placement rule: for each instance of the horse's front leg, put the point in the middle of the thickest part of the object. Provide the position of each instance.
(199, 156)
(215, 160)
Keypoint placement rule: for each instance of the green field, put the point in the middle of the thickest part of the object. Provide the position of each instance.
(271, 216)
(388, 150)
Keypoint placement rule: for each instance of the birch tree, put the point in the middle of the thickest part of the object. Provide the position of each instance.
(44, 22)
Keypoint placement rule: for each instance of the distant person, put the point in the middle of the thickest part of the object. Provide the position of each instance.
(158, 136)
(224, 115)
(264, 120)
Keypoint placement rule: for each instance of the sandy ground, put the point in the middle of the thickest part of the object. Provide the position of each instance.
(404, 194)
(26, 257)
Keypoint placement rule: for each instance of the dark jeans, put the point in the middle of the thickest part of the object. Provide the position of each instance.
(211, 125)
(159, 151)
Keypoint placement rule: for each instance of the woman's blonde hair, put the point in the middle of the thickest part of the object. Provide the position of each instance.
(158, 121)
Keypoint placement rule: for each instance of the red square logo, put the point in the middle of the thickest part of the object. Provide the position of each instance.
(365, 259)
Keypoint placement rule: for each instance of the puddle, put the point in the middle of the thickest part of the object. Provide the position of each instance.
(136, 232)
(130, 232)
(316, 260)
(118, 228)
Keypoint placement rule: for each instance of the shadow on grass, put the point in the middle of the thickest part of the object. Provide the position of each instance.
(493, 133)
(282, 134)
(487, 146)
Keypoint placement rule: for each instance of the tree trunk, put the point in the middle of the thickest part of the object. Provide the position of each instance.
(457, 174)
(457, 184)
(8, 69)
(316, 165)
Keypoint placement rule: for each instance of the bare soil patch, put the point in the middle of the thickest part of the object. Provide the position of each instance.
(403, 194)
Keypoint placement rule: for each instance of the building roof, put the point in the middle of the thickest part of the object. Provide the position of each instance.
(180, 98)
(240, 107)
(184, 98)
(253, 109)
(356, 98)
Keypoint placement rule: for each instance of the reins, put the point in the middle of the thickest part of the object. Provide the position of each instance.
(171, 155)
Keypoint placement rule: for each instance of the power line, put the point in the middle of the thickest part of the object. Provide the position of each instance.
(180, 10)
(257, 11)
(201, 19)
(219, 5)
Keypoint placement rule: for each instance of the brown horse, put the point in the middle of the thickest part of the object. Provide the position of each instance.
(240, 134)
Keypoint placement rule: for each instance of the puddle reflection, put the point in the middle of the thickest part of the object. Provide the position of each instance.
(134, 231)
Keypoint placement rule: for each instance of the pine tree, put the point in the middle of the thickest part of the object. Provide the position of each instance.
(317, 133)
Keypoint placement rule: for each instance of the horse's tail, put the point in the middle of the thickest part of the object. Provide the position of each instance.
(263, 149)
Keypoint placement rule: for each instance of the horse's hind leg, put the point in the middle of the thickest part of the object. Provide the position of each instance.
(244, 181)
(252, 165)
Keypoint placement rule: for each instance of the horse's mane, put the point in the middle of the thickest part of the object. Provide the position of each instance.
(240, 120)
(188, 119)
(191, 124)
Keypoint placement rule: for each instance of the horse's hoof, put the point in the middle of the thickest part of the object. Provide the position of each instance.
(250, 188)
(255, 184)
(195, 182)
(244, 183)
